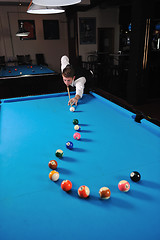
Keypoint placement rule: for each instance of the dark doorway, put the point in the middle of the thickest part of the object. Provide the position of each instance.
(106, 40)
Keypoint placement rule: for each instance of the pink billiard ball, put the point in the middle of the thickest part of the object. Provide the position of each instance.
(77, 136)
(83, 191)
(124, 186)
(66, 185)
(52, 164)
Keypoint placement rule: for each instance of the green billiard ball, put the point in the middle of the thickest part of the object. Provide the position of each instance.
(59, 153)
(75, 121)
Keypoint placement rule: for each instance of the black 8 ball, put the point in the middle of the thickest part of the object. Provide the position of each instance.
(135, 176)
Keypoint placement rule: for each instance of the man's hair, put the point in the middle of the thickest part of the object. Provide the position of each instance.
(68, 72)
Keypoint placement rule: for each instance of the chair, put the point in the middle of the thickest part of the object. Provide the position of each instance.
(40, 59)
(2, 61)
(28, 60)
(21, 60)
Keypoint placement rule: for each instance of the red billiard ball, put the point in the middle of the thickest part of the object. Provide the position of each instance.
(77, 136)
(9, 71)
(105, 193)
(66, 185)
(15, 69)
(31, 66)
(54, 175)
(53, 164)
(124, 186)
(83, 191)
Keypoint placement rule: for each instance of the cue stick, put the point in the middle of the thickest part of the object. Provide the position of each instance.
(69, 95)
(147, 42)
(144, 52)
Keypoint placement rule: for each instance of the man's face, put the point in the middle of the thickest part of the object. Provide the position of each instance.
(68, 81)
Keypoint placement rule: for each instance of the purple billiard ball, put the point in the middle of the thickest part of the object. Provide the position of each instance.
(69, 145)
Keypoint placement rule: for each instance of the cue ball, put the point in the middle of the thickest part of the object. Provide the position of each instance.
(69, 145)
(52, 164)
(124, 186)
(72, 109)
(83, 191)
(77, 136)
(54, 175)
(21, 73)
(104, 193)
(135, 176)
(66, 185)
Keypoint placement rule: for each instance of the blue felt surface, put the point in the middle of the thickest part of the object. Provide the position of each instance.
(112, 145)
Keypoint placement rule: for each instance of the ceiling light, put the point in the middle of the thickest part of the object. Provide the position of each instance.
(56, 3)
(37, 9)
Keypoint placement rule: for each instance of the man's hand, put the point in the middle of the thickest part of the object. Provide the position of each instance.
(74, 100)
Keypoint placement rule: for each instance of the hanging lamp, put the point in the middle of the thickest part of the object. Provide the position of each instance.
(56, 3)
(37, 9)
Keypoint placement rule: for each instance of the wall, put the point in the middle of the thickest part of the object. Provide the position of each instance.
(104, 18)
(10, 45)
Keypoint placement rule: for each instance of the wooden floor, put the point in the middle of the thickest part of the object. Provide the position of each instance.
(150, 109)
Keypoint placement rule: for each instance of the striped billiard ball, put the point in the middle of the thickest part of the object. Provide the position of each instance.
(124, 186)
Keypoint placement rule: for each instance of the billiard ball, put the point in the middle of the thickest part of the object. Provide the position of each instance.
(41, 68)
(59, 153)
(77, 128)
(53, 164)
(54, 175)
(9, 71)
(83, 191)
(135, 176)
(66, 185)
(15, 69)
(104, 193)
(20, 73)
(33, 71)
(69, 145)
(75, 121)
(30, 66)
(72, 109)
(77, 136)
(124, 186)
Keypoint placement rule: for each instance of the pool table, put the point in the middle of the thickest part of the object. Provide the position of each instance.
(112, 145)
(23, 80)
(24, 70)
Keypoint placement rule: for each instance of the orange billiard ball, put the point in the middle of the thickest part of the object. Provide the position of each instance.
(104, 193)
(53, 164)
(83, 191)
(124, 186)
(54, 175)
(66, 185)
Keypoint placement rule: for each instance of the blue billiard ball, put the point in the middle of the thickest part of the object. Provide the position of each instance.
(69, 145)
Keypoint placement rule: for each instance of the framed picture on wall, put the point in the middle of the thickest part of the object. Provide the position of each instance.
(29, 26)
(51, 29)
(87, 28)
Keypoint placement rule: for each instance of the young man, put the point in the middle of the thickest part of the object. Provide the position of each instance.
(72, 78)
